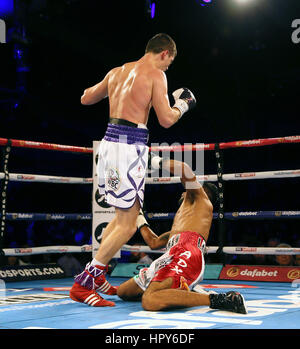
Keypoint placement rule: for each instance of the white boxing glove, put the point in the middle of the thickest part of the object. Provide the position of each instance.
(184, 100)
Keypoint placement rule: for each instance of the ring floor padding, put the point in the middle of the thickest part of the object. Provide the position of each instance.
(46, 304)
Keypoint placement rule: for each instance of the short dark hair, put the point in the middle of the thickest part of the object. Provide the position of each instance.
(161, 42)
(212, 192)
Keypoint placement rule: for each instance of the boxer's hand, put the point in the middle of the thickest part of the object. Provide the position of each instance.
(184, 100)
(141, 220)
(154, 161)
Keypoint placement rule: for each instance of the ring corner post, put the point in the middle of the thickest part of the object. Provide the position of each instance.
(5, 153)
(221, 228)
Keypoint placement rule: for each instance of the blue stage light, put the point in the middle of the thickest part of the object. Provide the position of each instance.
(204, 2)
(153, 10)
(6, 8)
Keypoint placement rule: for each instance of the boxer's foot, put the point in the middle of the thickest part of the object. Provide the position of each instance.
(231, 301)
(81, 294)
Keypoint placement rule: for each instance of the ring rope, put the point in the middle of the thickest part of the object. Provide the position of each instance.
(227, 145)
(48, 216)
(235, 215)
(226, 249)
(187, 147)
(209, 249)
(22, 177)
(46, 146)
(151, 216)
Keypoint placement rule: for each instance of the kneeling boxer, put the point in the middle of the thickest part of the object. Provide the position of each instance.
(180, 269)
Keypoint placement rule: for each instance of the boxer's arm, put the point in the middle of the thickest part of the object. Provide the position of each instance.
(152, 240)
(166, 115)
(177, 168)
(95, 93)
(182, 170)
(187, 177)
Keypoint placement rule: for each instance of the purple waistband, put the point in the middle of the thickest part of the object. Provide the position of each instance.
(126, 134)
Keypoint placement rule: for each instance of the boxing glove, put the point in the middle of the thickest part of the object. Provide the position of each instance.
(184, 100)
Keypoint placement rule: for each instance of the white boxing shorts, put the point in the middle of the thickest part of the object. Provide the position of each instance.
(122, 163)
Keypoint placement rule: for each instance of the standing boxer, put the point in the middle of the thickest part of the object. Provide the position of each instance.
(132, 90)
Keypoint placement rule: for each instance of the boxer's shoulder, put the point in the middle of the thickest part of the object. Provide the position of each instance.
(158, 75)
(122, 68)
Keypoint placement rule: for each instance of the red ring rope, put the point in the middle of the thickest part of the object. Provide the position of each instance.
(176, 148)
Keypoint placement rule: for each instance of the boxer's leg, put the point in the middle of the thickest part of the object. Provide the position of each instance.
(121, 171)
(124, 227)
(160, 295)
(109, 228)
(93, 277)
(130, 291)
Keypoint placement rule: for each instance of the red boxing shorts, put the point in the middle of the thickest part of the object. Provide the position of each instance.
(184, 258)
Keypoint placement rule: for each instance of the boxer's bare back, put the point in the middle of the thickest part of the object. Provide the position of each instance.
(195, 214)
(134, 88)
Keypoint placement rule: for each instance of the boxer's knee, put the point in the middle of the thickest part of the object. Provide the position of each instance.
(122, 292)
(146, 302)
(152, 299)
(129, 291)
(126, 220)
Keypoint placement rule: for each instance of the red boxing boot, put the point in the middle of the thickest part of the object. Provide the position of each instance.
(105, 287)
(80, 294)
(86, 284)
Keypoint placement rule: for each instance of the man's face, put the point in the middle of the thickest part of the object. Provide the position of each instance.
(284, 259)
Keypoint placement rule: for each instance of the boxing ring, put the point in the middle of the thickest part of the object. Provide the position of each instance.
(272, 296)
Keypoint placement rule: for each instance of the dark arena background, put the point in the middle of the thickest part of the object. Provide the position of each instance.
(240, 58)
